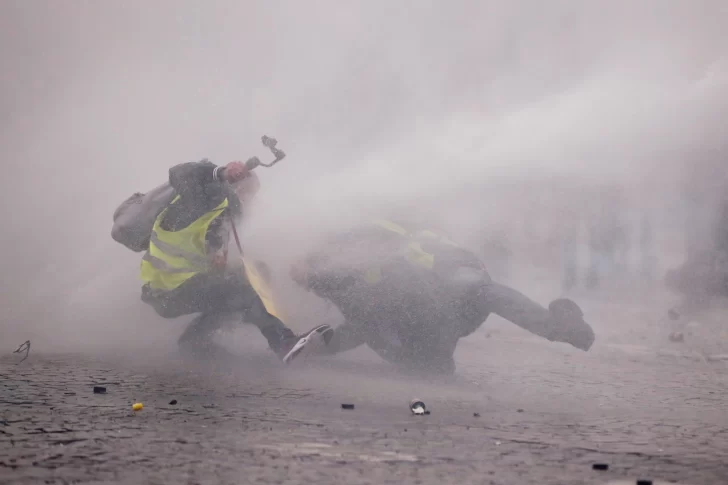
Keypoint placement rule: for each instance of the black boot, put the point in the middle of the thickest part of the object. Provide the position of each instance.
(568, 313)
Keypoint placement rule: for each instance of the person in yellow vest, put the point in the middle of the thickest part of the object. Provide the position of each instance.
(411, 294)
(185, 269)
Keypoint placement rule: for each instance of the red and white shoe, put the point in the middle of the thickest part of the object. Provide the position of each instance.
(316, 336)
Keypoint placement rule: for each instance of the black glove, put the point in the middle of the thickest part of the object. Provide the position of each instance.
(575, 330)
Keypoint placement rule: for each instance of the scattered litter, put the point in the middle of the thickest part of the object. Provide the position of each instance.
(25, 346)
(600, 466)
(676, 337)
(347, 406)
(137, 406)
(418, 407)
(644, 482)
(519, 410)
(172, 402)
(497, 443)
(476, 415)
(99, 390)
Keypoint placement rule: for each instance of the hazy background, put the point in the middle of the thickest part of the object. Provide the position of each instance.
(484, 114)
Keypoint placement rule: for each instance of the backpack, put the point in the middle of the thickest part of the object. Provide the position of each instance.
(134, 219)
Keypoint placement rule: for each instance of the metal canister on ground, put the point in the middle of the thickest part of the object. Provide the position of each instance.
(417, 406)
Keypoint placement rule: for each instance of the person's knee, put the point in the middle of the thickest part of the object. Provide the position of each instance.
(162, 307)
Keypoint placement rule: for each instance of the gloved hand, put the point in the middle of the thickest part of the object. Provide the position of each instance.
(575, 330)
(235, 172)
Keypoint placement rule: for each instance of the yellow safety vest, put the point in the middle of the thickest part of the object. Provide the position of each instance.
(414, 252)
(176, 256)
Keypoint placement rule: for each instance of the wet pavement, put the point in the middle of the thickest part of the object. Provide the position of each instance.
(520, 410)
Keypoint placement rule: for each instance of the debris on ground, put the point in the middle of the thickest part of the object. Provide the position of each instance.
(676, 337)
(99, 390)
(24, 347)
(347, 406)
(717, 357)
(418, 407)
(644, 482)
(172, 402)
(137, 406)
(476, 415)
(600, 466)
(519, 410)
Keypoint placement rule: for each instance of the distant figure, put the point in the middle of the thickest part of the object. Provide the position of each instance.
(570, 256)
(647, 258)
(497, 253)
(703, 276)
(605, 234)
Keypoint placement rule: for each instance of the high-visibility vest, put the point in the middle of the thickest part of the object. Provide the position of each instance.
(414, 253)
(174, 257)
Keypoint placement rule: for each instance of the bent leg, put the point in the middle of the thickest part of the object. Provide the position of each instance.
(560, 326)
(197, 337)
(216, 296)
(233, 293)
(273, 329)
(345, 337)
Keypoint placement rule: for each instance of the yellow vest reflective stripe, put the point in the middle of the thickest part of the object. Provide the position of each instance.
(391, 226)
(176, 256)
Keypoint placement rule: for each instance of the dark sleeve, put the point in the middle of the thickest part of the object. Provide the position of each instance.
(198, 183)
(215, 236)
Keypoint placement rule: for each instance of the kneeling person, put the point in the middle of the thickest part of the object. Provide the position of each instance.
(410, 295)
(185, 269)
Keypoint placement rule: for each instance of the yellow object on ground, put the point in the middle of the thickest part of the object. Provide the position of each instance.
(137, 406)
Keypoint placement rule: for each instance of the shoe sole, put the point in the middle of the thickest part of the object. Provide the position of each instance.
(321, 331)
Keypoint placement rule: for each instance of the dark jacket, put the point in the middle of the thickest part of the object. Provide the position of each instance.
(201, 188)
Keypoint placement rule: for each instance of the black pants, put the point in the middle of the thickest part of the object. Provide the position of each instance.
(217, 297)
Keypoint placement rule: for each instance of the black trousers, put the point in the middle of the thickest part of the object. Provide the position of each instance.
(218, 297)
